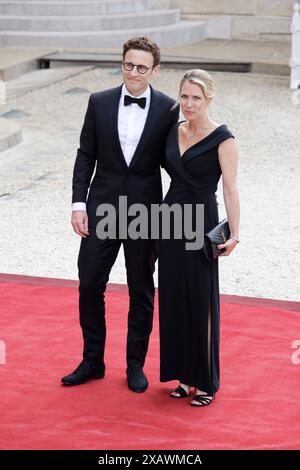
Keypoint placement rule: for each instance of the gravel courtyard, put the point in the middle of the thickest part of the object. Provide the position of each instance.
(35, 180)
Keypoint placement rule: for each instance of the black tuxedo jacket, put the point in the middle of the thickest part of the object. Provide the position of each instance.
(100, 147)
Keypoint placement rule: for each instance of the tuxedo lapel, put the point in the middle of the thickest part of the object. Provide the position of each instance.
(114, 126)
(148, 128)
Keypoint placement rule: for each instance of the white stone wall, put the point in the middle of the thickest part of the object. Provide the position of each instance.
(235, 7)
(161, 4)
(250, 19)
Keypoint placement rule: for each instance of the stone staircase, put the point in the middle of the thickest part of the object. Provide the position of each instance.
(100, 23)
(265, 20)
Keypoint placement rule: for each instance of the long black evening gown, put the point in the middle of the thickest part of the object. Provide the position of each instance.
(189, 307)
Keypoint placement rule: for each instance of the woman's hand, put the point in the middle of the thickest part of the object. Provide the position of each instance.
(229, 246)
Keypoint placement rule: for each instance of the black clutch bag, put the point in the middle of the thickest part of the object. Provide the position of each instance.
(218, 235)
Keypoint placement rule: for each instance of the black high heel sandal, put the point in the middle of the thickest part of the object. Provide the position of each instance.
(202, 400)
(181, 392)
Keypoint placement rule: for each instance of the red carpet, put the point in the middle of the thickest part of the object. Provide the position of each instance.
(257, 407)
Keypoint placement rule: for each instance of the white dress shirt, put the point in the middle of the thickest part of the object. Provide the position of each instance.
(131, 123)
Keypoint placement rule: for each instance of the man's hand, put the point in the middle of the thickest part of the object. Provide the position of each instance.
(79, 223)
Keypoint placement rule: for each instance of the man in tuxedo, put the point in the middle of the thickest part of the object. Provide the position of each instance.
(122, 142)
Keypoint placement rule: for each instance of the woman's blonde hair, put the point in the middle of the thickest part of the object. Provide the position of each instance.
(201, 78)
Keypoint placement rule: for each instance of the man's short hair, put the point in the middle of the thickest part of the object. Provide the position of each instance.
(143, 43)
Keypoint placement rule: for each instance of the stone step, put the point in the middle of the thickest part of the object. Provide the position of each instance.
(144, 19)
(183, 32)
(10, 134)
(113, 58)
(17, 61)
(72, 7)
(42, 78)
(261, 27)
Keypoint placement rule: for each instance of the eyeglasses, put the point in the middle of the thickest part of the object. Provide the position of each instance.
(129, 66)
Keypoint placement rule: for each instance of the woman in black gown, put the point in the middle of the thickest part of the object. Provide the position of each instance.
(198, 151)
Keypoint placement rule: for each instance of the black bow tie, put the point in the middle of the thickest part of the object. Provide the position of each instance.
(140, 101)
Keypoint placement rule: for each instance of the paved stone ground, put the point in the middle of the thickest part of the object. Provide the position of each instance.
(35, 180)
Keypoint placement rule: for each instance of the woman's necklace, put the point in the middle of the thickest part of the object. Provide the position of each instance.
(189, 137)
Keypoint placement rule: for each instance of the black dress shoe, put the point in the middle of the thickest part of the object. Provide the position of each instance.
(136, 379)
(85, 371)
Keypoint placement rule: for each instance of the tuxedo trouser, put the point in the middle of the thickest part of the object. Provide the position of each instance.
(95, 260)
